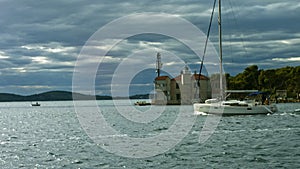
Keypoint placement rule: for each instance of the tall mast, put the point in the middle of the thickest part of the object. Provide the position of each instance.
(220, 51)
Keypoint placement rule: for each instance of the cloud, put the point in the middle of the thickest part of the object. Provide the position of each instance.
(40, 40)
(287, 59)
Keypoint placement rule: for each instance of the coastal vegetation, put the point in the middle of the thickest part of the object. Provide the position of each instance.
(271, 80)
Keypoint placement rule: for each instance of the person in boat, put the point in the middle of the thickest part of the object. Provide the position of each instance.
(263, 99)
(267, 101)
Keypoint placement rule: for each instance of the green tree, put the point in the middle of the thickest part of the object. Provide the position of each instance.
(286, 78)
(246, 80)
(251, 74)
(266, 80)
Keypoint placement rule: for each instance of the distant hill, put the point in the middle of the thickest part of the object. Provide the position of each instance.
(61, 96)
(135, 97)
(10, 97)
(50, 96)
(140, 96)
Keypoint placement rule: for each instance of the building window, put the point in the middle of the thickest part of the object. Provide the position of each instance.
(177, 86)
(178, 97)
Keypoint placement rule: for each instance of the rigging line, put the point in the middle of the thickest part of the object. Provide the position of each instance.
(236, 23)
(206, 41)
(231, 36)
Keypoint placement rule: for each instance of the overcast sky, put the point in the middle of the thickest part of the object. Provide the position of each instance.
(40, 41)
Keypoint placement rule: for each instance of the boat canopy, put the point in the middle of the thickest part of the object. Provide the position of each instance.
(258, 93)
(241, 91)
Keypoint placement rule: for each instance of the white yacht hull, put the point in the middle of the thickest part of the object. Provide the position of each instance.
(220, 109)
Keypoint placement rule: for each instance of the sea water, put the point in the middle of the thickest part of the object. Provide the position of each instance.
(52, 136)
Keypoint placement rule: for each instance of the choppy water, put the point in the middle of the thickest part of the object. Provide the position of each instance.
(51, 136)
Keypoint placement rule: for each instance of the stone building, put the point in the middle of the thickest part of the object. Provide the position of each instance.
(182, 89)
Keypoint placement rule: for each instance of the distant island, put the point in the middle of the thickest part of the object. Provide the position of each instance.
(61, 96)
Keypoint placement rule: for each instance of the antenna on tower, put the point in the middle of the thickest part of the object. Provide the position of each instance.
(158, 64)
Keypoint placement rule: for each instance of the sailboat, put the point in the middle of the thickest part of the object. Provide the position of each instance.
(221, 106)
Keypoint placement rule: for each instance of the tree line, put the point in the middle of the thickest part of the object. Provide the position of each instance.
(271, 80)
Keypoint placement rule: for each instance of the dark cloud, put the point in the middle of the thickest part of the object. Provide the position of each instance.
(40, 40)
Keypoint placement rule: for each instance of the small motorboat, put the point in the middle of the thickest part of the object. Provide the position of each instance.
(35, 104)
(142, 103)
